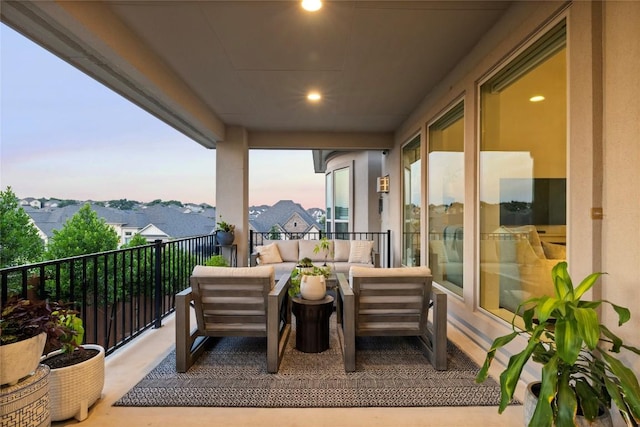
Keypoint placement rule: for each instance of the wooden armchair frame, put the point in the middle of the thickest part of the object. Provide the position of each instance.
(233, 304)
(392, 305)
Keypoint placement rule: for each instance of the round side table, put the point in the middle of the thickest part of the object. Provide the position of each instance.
(312, 323)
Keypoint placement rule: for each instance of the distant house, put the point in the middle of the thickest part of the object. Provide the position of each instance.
(287, 217)
(153, 223)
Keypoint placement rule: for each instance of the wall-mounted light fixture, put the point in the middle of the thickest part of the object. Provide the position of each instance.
(383, 184)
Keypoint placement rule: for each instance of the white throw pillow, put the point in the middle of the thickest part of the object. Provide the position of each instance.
(360, 251)
(341, 250)
(268, 254)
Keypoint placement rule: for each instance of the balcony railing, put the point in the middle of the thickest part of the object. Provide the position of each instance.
(120, 293)
(381, 240)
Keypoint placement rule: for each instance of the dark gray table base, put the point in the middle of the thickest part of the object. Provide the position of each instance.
(312, 323)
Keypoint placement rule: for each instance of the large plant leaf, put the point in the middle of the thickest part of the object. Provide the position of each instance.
(562, 280)
(543, 414)
(586, 284)
(567, 403)
(545, 307)
(628, 384)
(497, 343)
(510, 376)
(588, 398)
(588, 326)
(568, 340)
(623, 313)
(615, 340)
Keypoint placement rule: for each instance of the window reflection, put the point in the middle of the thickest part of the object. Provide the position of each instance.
(446, 199)
(412, 203)
(523, 176)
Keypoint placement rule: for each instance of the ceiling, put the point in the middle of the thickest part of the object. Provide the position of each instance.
(203, 66)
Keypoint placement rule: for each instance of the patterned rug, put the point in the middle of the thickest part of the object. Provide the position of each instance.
(390, 372)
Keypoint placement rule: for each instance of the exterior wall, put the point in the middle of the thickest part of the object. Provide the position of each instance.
(296, 224)
(365, 168)
(603, 154)
(621, 158)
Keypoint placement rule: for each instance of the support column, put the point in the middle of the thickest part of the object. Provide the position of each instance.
(232, 186)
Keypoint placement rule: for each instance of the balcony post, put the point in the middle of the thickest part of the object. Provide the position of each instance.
(157, 299)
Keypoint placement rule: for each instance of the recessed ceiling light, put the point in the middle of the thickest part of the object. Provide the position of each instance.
(314, 96)
(536, 98)
(311, 5)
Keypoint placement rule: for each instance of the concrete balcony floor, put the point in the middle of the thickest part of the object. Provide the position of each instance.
(125, 367)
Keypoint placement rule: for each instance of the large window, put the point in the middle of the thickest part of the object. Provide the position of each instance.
(338, 200)
(523, 161)
(411, 202)
(446, 198)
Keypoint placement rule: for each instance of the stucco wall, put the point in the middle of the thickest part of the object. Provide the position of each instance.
(621, 223)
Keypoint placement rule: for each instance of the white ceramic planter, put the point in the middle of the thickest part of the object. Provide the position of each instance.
(531, 400)
(73, 389)
(20, 359)
(312, 287)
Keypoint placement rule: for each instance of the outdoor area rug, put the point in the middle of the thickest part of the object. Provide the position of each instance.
(390, 372)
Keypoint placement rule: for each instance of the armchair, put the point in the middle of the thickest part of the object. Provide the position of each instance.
(391, 302)
(228, 301)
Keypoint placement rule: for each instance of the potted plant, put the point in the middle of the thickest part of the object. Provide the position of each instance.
(224, 232)
(25, 328)
(579, 372)
(77, 371)
(216, 261)
(313, 284)
(305, 264)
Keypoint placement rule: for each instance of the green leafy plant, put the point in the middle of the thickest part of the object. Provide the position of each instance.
(296, 277)
(575, 350)
(74, 330)
(323, 245)
(225, 226)
(305, 263)
(216, 261)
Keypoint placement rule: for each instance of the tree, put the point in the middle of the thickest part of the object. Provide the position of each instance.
(274, 233)
(136, 240)
(84, 233)
(19, 239)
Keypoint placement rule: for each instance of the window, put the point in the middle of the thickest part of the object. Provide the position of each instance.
(446, 198)
(411, 203)
(338, 200)
(523, 124)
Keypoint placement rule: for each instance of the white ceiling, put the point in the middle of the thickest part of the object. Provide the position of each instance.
(250, 63)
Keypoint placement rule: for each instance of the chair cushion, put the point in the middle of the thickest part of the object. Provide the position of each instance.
(360, 251)
(259, 271)
(268, 254)
(357, 271)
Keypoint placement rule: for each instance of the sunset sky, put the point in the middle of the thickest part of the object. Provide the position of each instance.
(65, 135)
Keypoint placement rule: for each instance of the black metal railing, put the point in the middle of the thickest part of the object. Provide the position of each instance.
(381, 239)
(120, 293)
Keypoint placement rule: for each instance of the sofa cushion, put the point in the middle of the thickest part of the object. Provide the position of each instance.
(360, 251)
(437, 248)
(341, 250)
(554, 250)
(268, 254)
(288, 249)
(307, 248)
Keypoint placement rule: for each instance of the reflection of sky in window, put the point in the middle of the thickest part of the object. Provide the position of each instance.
(446, 177)
(415, 183)
(497, 165)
